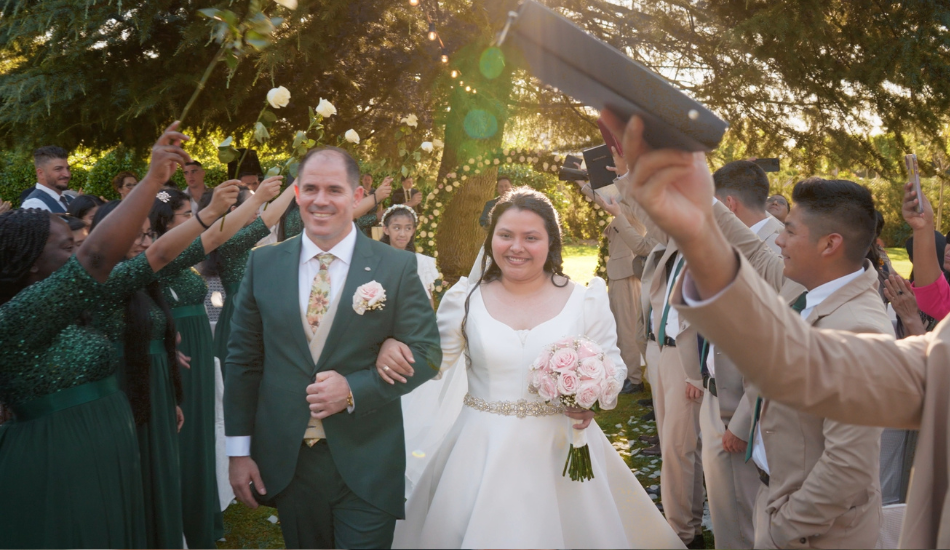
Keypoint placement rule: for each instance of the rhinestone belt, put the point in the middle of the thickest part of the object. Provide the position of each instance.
(520, 408)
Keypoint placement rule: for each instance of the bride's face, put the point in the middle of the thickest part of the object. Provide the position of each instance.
(520, 244)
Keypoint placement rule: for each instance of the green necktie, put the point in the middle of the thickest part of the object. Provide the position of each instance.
(661, 332)
(798, 306)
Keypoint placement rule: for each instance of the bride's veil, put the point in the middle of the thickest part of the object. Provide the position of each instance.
(429, 412)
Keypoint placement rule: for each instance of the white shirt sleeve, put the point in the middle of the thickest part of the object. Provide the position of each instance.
(238, 445)
(34, 203)
(691, 294)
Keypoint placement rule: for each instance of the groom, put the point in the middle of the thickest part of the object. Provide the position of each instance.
(311, 426)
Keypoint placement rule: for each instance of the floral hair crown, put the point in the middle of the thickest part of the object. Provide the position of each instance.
(163, 196)
(392, 210)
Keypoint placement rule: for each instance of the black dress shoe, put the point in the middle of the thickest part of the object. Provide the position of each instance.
(651, 439)
(645, 402)
(648, 417)
(651, 451)
(698, 542)
(628, 388)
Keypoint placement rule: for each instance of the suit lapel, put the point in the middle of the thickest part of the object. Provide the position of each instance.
(844, 294)
(362, 270)
(289, 304)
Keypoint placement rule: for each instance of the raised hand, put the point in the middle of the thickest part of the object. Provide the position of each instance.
(268, 189)
(917, 221)
(167, 154)
(223, 198)
(384, 190)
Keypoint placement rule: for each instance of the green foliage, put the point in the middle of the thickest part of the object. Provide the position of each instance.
(16, 175)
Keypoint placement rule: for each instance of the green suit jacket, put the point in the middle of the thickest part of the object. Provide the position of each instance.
(269, 367)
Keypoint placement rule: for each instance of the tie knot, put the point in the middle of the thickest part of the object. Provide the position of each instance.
(800, 302)
(325, 260)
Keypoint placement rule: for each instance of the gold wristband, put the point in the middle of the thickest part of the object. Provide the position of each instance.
(349, 400)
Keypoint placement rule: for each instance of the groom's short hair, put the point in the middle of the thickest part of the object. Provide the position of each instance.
(352, 167)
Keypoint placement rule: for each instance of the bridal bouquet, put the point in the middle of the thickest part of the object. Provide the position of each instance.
(575, 372)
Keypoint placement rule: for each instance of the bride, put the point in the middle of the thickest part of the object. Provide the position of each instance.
(495, 480)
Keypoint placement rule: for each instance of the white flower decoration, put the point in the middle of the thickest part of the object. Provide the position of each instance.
(289, 4)
(352, 136)
(426, 146)
(325, 108)
(411, 120)
(438, 143)
(278, 97)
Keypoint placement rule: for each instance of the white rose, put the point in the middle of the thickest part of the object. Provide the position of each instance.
(279, 97)
(325, 108)
(411, 120)
(438, 143)
(352, 136)
(289, 4)
(426, 146)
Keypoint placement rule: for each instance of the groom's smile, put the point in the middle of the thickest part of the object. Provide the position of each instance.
(328, 192)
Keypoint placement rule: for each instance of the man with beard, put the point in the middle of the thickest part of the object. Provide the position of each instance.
(52, 176)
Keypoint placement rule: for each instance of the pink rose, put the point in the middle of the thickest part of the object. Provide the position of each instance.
(587, 348)
(566, 342)
(564, 360)
(567, 383)
(587, 394)
(543, 362)
(371, 293)
(547, 388)
(609, 367)
(591, 369)
(610, 389)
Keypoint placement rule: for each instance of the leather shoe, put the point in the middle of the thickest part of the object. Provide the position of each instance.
(645, 402)
(648, 417)
(651, 439)
(628, 388)
(698, 542)
(651, 451)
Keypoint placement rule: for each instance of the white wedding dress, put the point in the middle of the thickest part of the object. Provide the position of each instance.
(496, 481)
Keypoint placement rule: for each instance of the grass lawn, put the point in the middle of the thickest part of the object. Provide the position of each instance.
(900, 261)
(580, 262)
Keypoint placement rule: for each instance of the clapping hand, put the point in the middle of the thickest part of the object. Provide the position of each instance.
(902, 297)
(394, 361)
(415, 200)
(328, 394)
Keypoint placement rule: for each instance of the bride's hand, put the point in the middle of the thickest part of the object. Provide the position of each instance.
(393, 362)
(584, 415)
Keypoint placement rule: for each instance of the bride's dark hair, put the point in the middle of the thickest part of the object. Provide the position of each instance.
(527, 199)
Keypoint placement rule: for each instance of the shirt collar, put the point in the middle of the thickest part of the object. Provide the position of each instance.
(342, 251)
(759, 225)
(49, 191)
(818, 294)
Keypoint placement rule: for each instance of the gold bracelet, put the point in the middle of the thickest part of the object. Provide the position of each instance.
(349, 400)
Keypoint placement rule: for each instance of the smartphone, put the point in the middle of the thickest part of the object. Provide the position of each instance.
(608, 136)
(598, 159)
(913, 172)
(768, 164)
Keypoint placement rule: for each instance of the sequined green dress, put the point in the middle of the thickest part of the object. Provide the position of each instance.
(184, 293)
(233, 256)
(158, 437)
(69, 478)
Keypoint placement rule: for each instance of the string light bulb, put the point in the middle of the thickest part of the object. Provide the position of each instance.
(413, 2)
(468, 88)
(432, 34)
(445, 55)
(455, 74)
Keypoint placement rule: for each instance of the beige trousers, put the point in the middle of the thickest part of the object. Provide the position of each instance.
(652, 357)
(681, 485)
(624, 296)
(731, 483)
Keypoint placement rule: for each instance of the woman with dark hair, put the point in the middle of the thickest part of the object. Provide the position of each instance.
(84, 207)
(135, 316)
(184, 291)
(229, 260)
(399, 231)
(78, 227)
(124, 183)
(497, 478)
(69, 463)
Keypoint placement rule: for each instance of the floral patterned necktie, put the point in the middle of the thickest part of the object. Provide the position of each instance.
(320, 292)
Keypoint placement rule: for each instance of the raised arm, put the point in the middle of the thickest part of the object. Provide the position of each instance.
(113, 236)
(220, 232)
(926, 264)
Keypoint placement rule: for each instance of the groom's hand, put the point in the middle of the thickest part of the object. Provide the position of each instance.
(242, 471)
(394, 361)
(328, 395)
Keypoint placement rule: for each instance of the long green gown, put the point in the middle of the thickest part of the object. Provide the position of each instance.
(233, 257)
(69, 464)
(158, 437)
(185, 294)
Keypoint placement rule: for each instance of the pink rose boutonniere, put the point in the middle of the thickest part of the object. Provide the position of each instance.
(369, 297)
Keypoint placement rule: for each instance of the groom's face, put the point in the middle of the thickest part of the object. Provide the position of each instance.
(326, 199)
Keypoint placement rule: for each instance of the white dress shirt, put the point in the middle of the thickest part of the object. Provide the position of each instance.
(37, 203)
(673, 317)
(240, 445)
(760, 224)
(814, 297)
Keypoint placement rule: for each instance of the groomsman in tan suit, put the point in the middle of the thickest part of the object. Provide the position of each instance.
(627, 247)
(830, 497)
(725, 417)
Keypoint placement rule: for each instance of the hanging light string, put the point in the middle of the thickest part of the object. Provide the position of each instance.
(433, 34)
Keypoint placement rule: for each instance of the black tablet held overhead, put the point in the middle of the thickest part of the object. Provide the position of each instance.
(562, 55)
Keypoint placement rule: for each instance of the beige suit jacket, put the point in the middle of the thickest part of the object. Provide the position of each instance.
(770, 232)
(627, 246)
(864, 379)
(646, 299)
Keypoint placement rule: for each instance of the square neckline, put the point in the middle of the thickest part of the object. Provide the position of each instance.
(535, 327)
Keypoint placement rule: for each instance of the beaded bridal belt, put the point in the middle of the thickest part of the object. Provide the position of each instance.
(520, 408)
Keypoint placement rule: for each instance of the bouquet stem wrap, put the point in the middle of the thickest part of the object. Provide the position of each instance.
(578, 463)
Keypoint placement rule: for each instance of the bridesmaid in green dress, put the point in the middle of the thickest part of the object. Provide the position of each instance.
(229, 260)
(185, 292)
(69, 464)
(134, 315)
